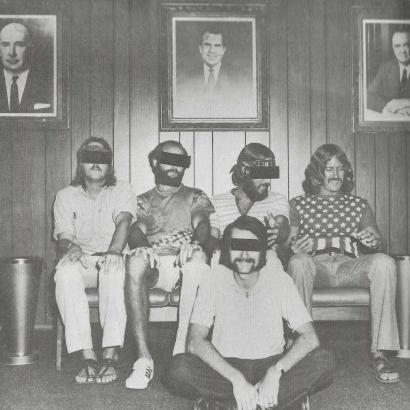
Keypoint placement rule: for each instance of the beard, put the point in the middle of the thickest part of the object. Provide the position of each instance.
(163, 178)
(252, 192)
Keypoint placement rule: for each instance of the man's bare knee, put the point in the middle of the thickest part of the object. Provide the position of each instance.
(198, 256)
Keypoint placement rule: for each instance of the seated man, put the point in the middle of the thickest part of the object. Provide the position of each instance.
(252, 175)
(245, 362)
(92, 220)
(172, 223)
(329, 229)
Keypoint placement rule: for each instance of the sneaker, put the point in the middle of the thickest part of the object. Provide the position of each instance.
(141, 375)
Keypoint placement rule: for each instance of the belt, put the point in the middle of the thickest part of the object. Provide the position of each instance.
(332, 250)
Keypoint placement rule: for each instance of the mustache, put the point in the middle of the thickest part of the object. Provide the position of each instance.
(95, 166)
(248, 260)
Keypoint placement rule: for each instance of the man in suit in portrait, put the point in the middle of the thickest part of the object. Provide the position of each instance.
(389, 92)
(23, 89)
(214, 88)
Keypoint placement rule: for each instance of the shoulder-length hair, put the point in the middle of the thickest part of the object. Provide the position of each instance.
(246, 223)
(110, 179)
(315, 171)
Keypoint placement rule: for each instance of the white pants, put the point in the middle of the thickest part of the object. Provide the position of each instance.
(71, 281)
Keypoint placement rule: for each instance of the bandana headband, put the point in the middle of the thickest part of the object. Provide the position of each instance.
(95, 157)
(177, 160)
(246, 245)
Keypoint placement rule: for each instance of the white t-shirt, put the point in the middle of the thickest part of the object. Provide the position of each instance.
(226, 210)
(91, 222)
(248, 327)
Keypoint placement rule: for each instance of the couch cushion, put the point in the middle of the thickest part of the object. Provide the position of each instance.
(174, 297)
(158, 297)
(341, 297)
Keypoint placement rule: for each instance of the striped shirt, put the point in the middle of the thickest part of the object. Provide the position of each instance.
(226, 210)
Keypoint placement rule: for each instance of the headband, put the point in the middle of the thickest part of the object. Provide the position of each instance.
(247, 245)
(95, 157)
(177, 160)
(262, 169)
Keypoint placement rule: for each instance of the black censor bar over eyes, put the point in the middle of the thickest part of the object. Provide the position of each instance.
(262, 169)
(95, 157)
(177, 160)
(246, 245)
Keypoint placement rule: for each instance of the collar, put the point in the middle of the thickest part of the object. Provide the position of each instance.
(22, 77)
(404, 67)
(255, 289)
(168, 192)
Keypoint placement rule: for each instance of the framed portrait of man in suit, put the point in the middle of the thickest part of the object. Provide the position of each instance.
(32, 73)
(214, 71)
(382, 100)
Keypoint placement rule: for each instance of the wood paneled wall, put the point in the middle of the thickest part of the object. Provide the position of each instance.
(114, 71)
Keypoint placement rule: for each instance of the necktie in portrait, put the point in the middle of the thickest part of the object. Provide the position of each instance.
(14, 94)
(211, 80)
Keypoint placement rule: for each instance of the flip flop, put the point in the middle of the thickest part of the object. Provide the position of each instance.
(381, 365)
(106, 364)
(86, 365)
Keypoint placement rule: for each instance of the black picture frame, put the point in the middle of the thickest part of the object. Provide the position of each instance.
(240, 98)
(44, 103)
(373, 62)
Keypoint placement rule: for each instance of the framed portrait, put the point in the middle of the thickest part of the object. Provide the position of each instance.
(214, 71)
(34, 70)
(381, 70)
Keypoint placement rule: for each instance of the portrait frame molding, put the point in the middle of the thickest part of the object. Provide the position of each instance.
(362, 121)
(253, 10)
(60, 72)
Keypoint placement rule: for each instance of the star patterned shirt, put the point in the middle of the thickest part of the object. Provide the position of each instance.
(331, 221)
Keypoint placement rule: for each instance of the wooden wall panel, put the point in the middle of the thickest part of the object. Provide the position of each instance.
(318, 109)
(338, 68)
(365, 168)
(101, 64)
(6, 192)
(144, 34)
(277, 39)
(226, 148)
(398, 196)
(29, 208)
(298, 94)
(187, 140)
(203, 161)
(121, 89)
(79, 75)
(382, 200)
(58, 176)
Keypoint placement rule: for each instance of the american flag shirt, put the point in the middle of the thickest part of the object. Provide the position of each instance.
(331, 221)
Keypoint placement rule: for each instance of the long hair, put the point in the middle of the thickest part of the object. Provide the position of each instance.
(110, 178)
(246, 223)
(158, 149)
(315, 171)
(250, 152)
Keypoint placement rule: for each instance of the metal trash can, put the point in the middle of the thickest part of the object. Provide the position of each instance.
(19, 286)
(403, 304)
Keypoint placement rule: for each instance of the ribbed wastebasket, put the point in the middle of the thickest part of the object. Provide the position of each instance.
(403, 304)
(19, 285)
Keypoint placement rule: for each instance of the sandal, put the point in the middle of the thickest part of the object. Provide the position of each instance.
(382, 366)
(90, 376)
(107, 364)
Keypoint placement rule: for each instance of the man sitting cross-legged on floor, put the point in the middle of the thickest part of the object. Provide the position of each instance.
(92, 220)
(330, 228)
(172, 223)
(244, 364)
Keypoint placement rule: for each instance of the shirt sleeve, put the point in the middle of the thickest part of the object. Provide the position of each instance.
(203, 312)
(367, 218)
(63, 216)
(294, 218)
(201, 202)
(293, 308)
(125, 200)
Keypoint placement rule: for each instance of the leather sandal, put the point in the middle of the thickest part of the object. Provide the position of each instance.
(382, 366)
(86, 366)
(107, 364)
